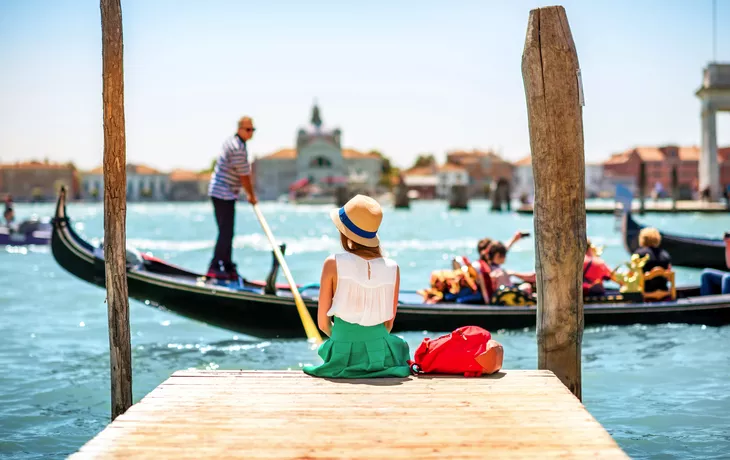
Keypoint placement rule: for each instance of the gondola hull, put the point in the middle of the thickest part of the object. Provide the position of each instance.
(685, 251)
(245, 308)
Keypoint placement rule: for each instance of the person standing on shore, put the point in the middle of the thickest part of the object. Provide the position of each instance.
(231, 173)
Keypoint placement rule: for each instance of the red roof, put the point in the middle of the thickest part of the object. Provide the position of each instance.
(451, 167)
(283, 154)
(352, 153)
(526, 161)
(420, 171)
(37, 165)
(183, 175)
(142, 170)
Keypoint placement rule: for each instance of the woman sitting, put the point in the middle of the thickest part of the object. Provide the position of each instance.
(649, 241)
(358, 300)
(595, 272)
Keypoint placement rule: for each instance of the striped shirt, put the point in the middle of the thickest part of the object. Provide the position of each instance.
(225, 183)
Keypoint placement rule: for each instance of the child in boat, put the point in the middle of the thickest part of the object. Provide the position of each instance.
(500, 277)
(358, 300)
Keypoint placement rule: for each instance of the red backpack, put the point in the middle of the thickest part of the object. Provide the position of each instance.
(468, 350)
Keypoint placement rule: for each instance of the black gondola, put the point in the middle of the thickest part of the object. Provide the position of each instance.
(686, 251)
(248, 309)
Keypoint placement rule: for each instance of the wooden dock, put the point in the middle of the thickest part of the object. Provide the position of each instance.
(649, 207)
(287, 414)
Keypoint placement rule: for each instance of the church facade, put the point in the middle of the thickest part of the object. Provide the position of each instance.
(318, 161)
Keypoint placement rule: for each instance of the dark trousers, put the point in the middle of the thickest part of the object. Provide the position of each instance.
(225, 216)
(712, 281)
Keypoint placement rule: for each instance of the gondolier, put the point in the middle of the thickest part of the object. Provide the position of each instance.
(232, 171)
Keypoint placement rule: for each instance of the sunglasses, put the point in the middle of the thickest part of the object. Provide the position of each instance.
(249, 130)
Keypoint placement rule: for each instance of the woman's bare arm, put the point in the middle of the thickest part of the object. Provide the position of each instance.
(389, 323)
(327, 286)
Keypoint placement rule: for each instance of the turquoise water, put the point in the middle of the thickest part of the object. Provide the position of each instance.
(661, 391)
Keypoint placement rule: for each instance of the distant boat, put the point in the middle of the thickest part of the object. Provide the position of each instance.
(249, 307)
(685, 251)
(29, 232)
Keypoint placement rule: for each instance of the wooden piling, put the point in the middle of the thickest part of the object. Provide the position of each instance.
(402, 201)
(115, 207)
(496, 198)
(675, 188)
(342, 196)
(642, 187)
(458, 197)
(553, 91)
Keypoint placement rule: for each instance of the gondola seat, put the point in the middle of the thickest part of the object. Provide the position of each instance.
(659, 272)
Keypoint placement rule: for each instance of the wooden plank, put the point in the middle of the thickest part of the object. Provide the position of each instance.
(258, 415)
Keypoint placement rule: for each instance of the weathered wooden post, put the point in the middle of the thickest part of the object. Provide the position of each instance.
(675, 187)
(508, 194)
(402, 201)
(642, 187)
(497, 197)
(554, 96)
(342, 196)
(458, 197)
(115, 206)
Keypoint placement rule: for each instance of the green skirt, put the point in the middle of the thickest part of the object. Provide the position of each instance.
(356, 352)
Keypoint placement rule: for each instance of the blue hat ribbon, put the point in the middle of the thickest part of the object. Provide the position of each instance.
(350, 225)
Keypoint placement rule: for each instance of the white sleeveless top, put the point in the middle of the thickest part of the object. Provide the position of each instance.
(360, 299)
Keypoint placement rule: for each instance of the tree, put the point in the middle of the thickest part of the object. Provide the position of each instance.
(387, 170)
(424, 160)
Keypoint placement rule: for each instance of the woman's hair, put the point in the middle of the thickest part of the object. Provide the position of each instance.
(650, 237)
(497, 248)
(483, 244)
(359, 249)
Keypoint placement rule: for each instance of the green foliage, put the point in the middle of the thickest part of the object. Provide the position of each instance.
(424, 160)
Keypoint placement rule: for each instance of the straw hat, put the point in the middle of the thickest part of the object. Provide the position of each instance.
(359, 220)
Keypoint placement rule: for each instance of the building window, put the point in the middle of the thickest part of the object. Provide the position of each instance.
(320, 162)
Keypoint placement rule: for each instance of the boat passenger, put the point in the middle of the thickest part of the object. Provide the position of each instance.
(497, 255)
(649, 241)
(595, 272)
(483, 246)
(9, 216)
(358, 301)
(711, 279)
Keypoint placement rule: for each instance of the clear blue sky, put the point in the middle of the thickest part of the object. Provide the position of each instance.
(404, 77)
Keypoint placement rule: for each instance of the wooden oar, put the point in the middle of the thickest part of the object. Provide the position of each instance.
(309, 327)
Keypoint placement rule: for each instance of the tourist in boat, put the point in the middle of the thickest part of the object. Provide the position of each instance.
(483, 246)
(649, 241)
(231, 173)
(358, 301)
(497, 255)
(9, 216)
(595, 272)
(715, 281)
